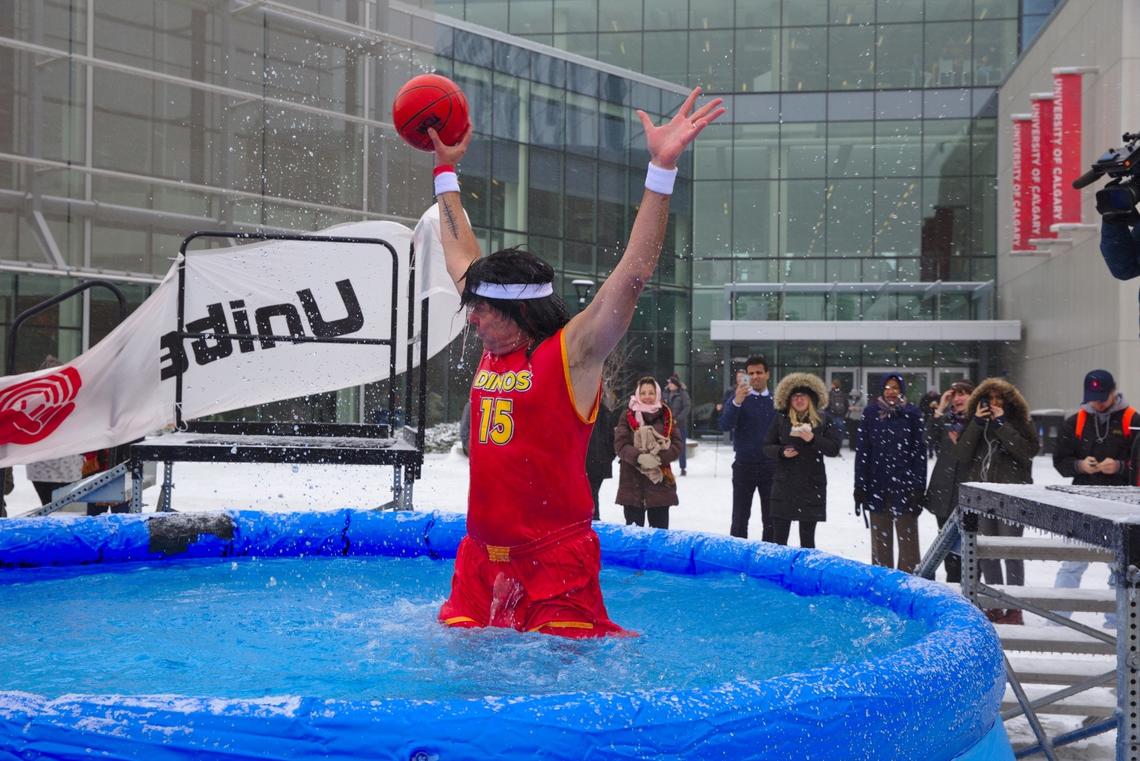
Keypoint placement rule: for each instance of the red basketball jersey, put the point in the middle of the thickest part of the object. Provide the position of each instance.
(528, 447)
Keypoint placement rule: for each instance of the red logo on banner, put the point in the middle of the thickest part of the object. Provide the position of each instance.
(32, 410)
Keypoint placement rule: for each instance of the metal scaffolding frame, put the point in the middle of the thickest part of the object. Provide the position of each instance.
(1101, 523)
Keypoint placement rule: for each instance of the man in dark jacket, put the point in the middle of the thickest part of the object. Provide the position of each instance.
(677, 399)
(1093, 449)
(946, 425)
(748, 413)
(1093, 445)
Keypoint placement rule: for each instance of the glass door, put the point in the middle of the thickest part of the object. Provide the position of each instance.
(947, 375)
(845, 375)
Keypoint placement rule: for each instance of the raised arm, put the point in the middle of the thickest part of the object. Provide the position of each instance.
(594, 332)
(460, 248)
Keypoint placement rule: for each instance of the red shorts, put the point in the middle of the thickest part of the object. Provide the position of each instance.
(546, 586)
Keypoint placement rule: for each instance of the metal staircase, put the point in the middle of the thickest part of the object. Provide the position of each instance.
(1066, 669)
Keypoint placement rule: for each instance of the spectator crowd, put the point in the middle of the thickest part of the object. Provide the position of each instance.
(908, 457)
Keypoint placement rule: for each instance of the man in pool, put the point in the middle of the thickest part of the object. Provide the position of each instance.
(530, 560)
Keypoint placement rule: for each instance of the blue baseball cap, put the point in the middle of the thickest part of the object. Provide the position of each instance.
(1099, 385)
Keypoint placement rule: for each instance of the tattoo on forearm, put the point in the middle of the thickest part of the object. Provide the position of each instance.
(450, 219)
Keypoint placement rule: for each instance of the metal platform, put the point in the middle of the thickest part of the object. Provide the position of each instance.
(1090, 523)
(196, 447)
(211, 442)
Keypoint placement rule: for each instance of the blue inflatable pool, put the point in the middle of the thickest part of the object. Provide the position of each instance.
(936, 699)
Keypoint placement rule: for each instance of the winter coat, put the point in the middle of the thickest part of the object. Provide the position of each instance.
(999, 451)
(634, 488)
(890, 460)
(749, 425)
(1113, 444)
(680, 404)
(799, 484)
(942, 491)
(600, 451)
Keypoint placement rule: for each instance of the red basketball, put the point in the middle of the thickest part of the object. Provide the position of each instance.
(430, 100)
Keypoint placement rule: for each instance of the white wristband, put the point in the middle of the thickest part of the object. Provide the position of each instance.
(660, 180)
(446, 182)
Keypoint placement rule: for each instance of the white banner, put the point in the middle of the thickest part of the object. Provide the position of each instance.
(123, 388)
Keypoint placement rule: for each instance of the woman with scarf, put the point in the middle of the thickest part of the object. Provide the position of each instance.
(798, 441)
(997, 446)
(946, 426)
(646, 441)
(890, 474)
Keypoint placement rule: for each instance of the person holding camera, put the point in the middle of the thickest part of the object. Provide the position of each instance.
(1116, 204)
(748, 413)
(946, 425)
(1120, 245)
(997, 447)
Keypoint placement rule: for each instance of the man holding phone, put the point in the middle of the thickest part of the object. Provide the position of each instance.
(747, 413)
(1093, 448)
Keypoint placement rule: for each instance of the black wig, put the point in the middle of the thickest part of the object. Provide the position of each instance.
(539, 318)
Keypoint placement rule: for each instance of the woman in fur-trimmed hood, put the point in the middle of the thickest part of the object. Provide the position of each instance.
(997, 446)
(999, 441)
(798, 440)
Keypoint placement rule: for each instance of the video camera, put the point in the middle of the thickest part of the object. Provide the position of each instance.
(1116, 201)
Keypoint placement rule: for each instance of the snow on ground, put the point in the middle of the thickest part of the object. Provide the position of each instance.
(705, 505)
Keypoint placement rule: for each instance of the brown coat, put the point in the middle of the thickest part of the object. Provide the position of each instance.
(634, 488)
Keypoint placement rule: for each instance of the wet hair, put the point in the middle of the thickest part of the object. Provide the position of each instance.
(757, 359)
(538, 318)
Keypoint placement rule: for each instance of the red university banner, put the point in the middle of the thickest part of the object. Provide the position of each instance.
(1022, 160)
(1041, 139)
(1066, 145)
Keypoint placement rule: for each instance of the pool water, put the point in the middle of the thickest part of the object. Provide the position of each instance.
(365, 629)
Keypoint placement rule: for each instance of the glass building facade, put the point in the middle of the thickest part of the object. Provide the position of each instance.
(126, 125)
(859, 147)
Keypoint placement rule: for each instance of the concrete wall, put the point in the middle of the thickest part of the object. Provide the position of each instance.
(1076, 317)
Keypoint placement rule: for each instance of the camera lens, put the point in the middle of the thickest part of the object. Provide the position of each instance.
(1116, 198)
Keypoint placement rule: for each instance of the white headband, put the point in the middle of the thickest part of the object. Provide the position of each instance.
(512, 291)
